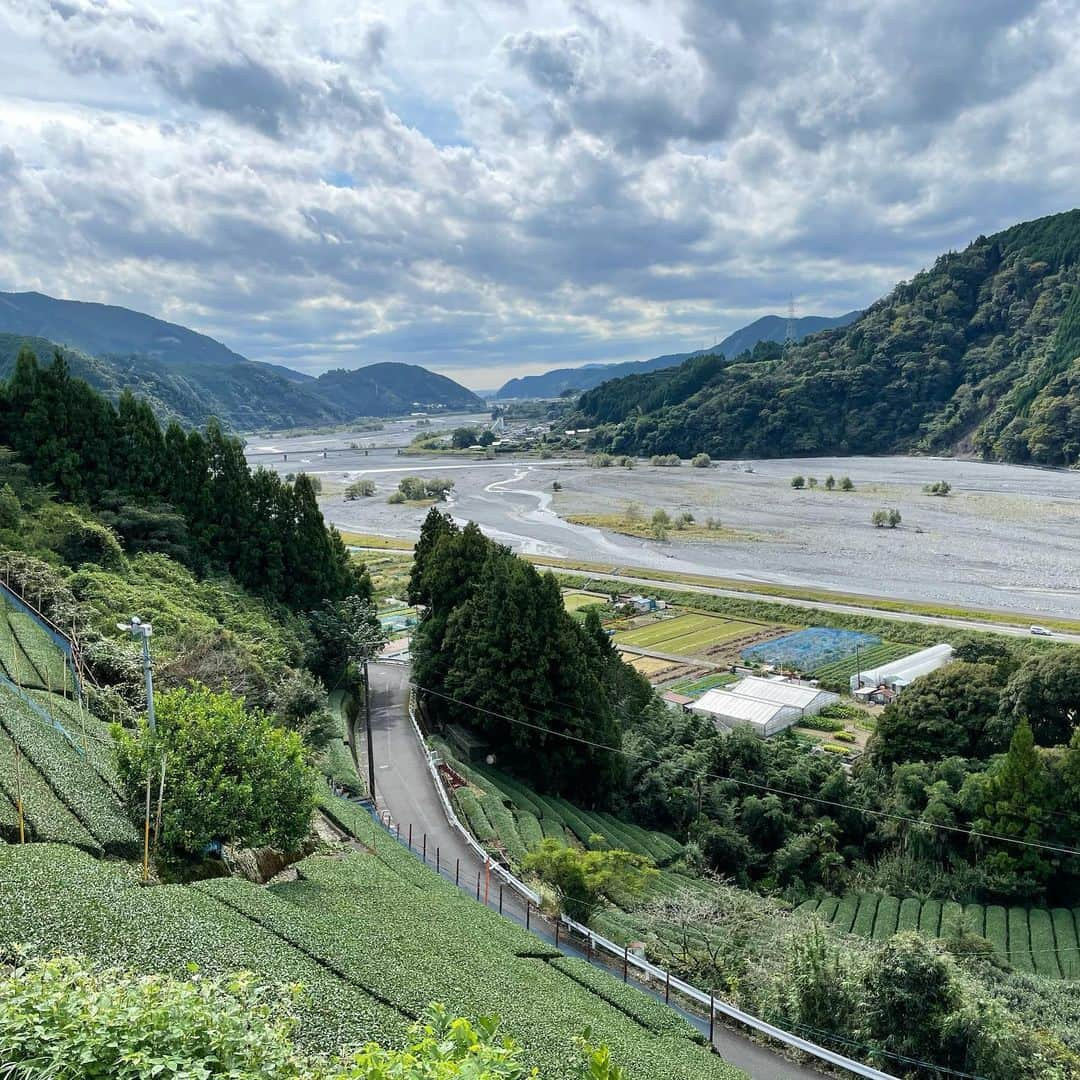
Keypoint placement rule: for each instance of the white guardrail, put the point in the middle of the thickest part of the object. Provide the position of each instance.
(639, 963)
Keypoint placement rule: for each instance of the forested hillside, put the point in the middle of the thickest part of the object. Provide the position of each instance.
(980, 353)
(566, 380)
(190, 377)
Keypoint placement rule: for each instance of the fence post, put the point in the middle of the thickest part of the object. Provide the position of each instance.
(424, 855)
(588, 946)
(477, 884)
(626, 963)
(500, 899)
(437, 859)
(667, 987)
(528, 911)
(410, 836)
(399, 830)
(457, 872)
(557, 921)
(712, 1014)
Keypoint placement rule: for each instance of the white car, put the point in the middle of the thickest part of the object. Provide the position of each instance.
(1041, 631)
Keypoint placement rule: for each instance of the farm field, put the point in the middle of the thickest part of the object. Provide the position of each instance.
(1038, 941)
(840, 671)
(576, 601)
(699, 684)
(686, 634)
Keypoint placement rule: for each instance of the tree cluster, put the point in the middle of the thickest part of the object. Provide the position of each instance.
(498, 653)
(190, 494)
(985, 345)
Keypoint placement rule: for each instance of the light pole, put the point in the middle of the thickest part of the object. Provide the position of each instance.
(139, 629)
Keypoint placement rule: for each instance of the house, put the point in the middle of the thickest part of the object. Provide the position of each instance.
(676, 702)
(900, 673)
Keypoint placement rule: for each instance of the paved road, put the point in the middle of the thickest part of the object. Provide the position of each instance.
(819, 605)
(404, 788)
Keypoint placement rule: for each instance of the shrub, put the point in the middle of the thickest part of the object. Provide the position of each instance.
(119, 1024)
(601, 460)
(798, 482)
(885, 519)
(830, 482)
(834, 748)
(701, 461)
(363, 488)
(938, 487)
(846, 484)
(666, 460)
(396, 498)
(844, 736)
(231, 775)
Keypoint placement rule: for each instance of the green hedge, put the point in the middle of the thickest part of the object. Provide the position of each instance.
(646, 1010)
(952, 919)
(845, 913)
(997, 929)
(57, 899)
(888, 916)
(930, 918)
(864, 917)
(529, 829)
(450, 949)
(1068, 942)
(553, 829)
(70, 776)
(975, 919)
(502, 821)
(909, 914)
(1043, 943)
(45, 816)
(474, 815)
(1019, 941)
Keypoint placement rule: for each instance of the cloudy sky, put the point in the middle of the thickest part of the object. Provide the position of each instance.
(494, 187)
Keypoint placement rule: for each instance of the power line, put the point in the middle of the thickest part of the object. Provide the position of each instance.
(886, 815)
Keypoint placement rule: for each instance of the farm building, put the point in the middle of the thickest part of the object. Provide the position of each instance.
(767, 706)
(809, 700)
(675, 701)
(900, 673)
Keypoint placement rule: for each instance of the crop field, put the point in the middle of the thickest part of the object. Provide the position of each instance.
(810, 650)
(685, 634)
(576, 601)
(648, 665)
(840, 671)
(695, 685)
(1038, 941)
(372, 948)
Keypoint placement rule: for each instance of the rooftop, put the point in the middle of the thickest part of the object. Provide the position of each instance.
(776, 691)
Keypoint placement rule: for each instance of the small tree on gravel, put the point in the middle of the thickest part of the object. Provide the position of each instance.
(798, 482)
(701, 461)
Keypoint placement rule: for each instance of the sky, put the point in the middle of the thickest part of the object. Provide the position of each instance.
(497, 187)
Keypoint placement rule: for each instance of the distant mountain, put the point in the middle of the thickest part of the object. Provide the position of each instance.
(563, 381)
(979, 354)
(390, 389)
(190, 377)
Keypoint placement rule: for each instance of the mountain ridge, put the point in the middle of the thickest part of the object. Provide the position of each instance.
(560, 381)
(189, 376)
(979, 354)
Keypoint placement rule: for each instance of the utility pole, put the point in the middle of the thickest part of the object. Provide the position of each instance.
(139, 629)
(367, 730)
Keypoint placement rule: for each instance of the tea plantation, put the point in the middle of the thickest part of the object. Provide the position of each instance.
(1033, 940)
(372, 946)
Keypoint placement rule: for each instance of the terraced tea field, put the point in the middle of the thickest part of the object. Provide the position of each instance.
(1034, 940)
(686, 635)
(373, 938)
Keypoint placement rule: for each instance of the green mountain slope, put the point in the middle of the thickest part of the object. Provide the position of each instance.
(389, 389)
(190, 377)
(980, 353)
(768, 328)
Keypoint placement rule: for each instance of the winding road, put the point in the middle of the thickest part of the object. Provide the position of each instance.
(404, 788)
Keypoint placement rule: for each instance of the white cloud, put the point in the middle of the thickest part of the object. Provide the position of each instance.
(497, 184)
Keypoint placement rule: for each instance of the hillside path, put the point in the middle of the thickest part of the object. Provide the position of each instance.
(404, 788)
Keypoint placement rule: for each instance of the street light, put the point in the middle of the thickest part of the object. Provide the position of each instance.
(139, 629)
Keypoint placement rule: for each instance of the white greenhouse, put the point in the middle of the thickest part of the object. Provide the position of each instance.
(900, 673)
